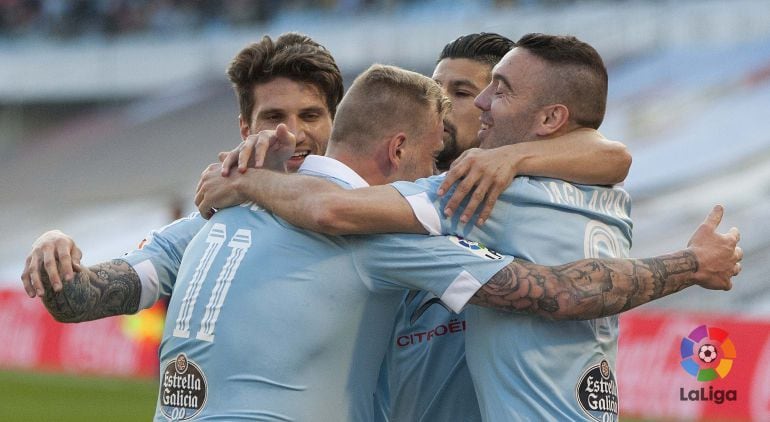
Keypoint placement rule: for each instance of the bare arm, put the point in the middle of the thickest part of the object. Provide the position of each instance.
(581, 156)
(103, 290)
(593, 288)
(586, 289)
(310, 202)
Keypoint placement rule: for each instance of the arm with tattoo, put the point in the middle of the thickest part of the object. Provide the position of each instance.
(586, 289)
(103, 290)
(594, 288)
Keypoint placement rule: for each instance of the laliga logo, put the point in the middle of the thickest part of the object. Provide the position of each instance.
(707, 354)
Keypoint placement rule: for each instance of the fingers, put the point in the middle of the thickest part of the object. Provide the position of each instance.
(204, 175)
(260, 149)
(222, 155)
(489, 204)
(476, 198)
(463, 189)
(735, 233)
(456, 172)
(452, 176)
(65, 262)
(204, 206)
(51, 268)
(26, 281)
(738, 253)
(77, 255)
(34, 276)
(230, 161)
(247, 148)
(282, 132)
(715, 217)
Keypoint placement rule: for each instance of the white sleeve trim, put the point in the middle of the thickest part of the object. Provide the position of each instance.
(462, 289)
(150, 283)
(425, 212)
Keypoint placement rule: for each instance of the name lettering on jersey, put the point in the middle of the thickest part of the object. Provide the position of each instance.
(604, 201)
(411, 339)
(183, 389)
(597, 393)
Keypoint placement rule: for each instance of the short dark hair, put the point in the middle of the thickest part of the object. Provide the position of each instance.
(577, 78)
(485, 47)
(293, 56)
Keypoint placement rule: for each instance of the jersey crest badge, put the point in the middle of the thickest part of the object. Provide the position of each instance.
(597, 393)
(183, 389)
(476, 248)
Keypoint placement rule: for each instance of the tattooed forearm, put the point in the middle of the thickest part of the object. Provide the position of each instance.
(586, 289)
(103, 290)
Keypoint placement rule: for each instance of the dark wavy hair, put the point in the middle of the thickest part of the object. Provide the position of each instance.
(293, 56)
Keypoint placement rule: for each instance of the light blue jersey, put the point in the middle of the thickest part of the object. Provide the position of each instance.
(157, 261)
(270, 322)
(424, 376)
(525, 367)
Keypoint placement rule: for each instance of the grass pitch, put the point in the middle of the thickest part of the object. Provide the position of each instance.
(34, 396)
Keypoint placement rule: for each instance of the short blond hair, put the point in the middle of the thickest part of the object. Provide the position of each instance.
(387, 99)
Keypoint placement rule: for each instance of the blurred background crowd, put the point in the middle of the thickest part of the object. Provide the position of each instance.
(115, 18)
(109, 110)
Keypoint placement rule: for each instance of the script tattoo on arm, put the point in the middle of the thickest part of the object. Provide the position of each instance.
(103, 290)
(586, 289)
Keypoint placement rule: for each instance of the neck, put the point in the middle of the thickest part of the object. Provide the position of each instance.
(363, 164)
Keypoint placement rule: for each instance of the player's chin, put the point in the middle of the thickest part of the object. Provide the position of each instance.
(482, 135)
(294, 163)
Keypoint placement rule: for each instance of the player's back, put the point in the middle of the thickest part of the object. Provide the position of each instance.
(272, 323)
(527, 365)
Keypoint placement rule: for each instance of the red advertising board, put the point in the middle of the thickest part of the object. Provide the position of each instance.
(31, 339)
(652, 381)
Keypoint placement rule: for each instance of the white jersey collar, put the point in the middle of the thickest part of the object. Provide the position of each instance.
(333, 168)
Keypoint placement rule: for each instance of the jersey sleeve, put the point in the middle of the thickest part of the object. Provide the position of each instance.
(425, 202)
(450, 267)
(428, 206)
(157, 259)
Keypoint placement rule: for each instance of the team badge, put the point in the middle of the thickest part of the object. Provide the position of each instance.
(183, 389)
(597, 393)
(477, 248)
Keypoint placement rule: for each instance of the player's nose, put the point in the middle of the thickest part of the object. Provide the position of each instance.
(482, 100)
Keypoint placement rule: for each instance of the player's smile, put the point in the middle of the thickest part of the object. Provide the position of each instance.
(486, 124)
(298, 157)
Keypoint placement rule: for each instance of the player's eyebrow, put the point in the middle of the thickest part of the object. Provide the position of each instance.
(313, 109)
(272, 111)
(500, 78)
(278, 110)
(462, 83)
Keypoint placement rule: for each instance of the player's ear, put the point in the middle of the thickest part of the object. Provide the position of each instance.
(243, 124)
(396, 145)
(551, 119)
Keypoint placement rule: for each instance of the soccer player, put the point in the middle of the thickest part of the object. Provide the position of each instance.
(291, 80)
(114, 275)
(270, 91)
(424, 377)
(523, 366)
(294, 80)
(251, 334)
